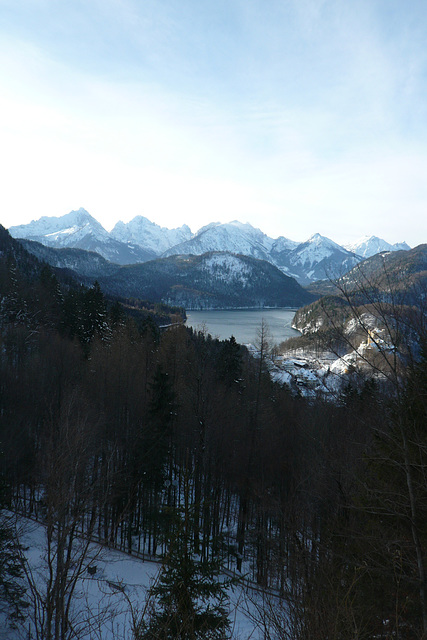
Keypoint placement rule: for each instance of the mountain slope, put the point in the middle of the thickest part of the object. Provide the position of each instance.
(149, 235)
(388, 271)
(212, 280)
(13, 249)
(141, 240)
(307, 261)
(234, 237)
(84, 263)
(64, 230)
(370, 245)
(396, 278)
(78, 229)
(318, 258)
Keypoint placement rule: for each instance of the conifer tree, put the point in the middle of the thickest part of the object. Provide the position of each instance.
(229, 367)
(161, 411)
(12, 589)
(95, 314)
(189, 600)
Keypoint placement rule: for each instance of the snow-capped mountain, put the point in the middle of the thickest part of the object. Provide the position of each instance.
(64, 231)
(282, 244)
(235, 237)
(319, 258)
(140, 240)
(150, 235)
(79, 230)
(370, 245)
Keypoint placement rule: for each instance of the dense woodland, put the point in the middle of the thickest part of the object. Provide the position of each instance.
(111, 429)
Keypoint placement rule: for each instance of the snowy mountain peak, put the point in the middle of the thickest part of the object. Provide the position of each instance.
(49, 230)
(319, 258)
(370, 245)
(140, 240)
(401, 246)
(234, 225)
(211, 225)
(150, 235)
(234, 237)
(139, 222)
(244, 226)
(81, 215)
(284, 244)
(322, 241)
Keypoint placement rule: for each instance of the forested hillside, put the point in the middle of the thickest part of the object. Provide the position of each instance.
(113, 430)
(212, 280)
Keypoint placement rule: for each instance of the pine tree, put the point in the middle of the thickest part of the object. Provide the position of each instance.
(95, 315)
(12, 589)
(229, 367)
(156, 439)
(189, 600)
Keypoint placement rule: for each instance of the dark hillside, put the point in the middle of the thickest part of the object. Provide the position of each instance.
(83, 263)
(212, 280)
(114, 432)
(56, 297)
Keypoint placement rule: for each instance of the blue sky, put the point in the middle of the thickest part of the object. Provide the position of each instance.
(298, 116)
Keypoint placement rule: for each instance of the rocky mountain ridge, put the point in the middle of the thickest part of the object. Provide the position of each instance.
(370, 245)
(215, 280)
(79, 230)
(141, 240)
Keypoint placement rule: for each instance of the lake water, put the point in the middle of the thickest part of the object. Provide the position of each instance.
(244, 323)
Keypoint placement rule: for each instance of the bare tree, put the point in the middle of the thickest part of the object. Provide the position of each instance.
(69, 503)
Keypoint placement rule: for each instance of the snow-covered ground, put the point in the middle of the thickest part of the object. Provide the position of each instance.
(307, 374)
(107, 602)
(325, 374)
(313, 372)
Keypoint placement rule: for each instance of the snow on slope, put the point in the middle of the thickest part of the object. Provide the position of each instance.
(283, 244)
(234, 237)
(149, 235)
(316, 249)
(228, 268)
(79, 230)
(63, 231)
(370, 245)
(140, 240)
(105, 598)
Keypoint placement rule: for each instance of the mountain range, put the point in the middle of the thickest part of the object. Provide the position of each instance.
(141, 240)
(213, 280)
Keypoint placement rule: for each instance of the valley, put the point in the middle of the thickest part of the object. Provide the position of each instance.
(121, 426)
(213, 320)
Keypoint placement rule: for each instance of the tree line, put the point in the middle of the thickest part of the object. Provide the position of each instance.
(108, 426)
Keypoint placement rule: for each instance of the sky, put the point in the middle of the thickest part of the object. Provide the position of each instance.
(297, 116)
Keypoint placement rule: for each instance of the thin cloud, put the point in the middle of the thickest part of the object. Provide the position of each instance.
(290, 117)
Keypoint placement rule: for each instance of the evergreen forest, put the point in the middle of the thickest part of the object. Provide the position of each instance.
(168, 443)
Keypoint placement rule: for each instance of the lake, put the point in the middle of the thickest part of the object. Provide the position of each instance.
(244, 323)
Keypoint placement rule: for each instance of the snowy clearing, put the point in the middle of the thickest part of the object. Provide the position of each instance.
(108, 601)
